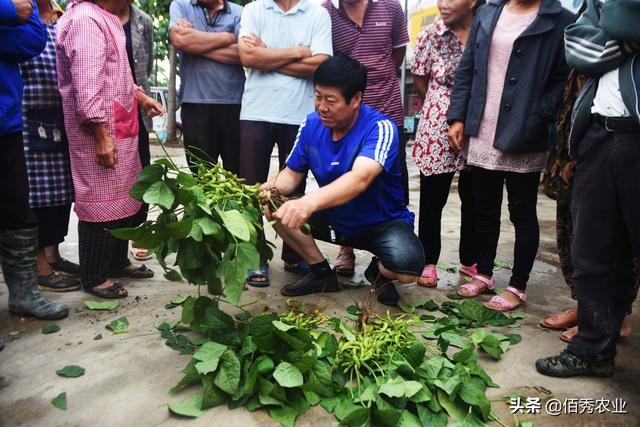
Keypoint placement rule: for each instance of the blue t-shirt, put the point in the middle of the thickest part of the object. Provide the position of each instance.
(203, 81)
(375, 136)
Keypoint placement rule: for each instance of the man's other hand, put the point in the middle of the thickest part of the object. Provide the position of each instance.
(294, 213)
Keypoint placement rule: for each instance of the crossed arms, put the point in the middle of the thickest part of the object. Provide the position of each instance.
(296, 61)
(219, 47)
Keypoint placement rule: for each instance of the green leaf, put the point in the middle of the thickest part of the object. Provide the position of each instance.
(97, 337)
(517, 314)
(186, 179)
(285, 415)
(455, 296)
(211, 395)
(451, 407)
(50, 328)
(393, 387)
(119, 326)
(351, 414)
(70, 371)
(235, 223)
(190, 407)
(208, 226)
(501, 265)
(312, 397)
(191, 376)
(288, 375)
(234, 269)
(60, 401)
(228, 377)
(473, 394)
(151, 174)
(180, 229)
(130, 233)
(425, 304)
(431, 419)
(102, 305)
(173, 276)
(407, 419)
(159, 194)
(447, 267)
(514, 338)
(281, 326)
(264, 364)
(208, 357)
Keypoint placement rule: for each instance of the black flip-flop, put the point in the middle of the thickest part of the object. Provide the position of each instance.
(115, 291)
(142, 272)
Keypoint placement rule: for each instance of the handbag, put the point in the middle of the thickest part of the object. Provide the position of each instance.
(44, 129)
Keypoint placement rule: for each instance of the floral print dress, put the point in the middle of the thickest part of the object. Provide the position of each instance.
(438, 53)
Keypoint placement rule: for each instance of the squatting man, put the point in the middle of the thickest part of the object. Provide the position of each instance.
(352, 151)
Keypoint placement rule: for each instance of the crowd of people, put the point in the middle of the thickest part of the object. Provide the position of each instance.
(510, 89)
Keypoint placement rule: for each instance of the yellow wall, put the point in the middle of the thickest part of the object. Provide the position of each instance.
(420, 19)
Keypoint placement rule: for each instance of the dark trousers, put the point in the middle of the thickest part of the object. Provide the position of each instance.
(434, 192)
(606, 226)
(100, 253)
(53, 224)
(145, 160)
(256, 144)
(212, 131)
(522, 193)
(15, 213)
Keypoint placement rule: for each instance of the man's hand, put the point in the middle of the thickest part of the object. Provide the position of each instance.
(294, 213)
(106, 151)
(253, 40)
(24, 9)
(456, 135)
(183, 23)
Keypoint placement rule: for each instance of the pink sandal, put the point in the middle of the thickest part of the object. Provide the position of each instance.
(470, 271)
(504, 304)
(430, 273)
(475, 290)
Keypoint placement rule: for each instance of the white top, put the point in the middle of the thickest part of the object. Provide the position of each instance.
(274, 97)
(608, 100)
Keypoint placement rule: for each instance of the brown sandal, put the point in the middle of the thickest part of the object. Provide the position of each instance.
(561, 321)
(567, 336)
(345, 263)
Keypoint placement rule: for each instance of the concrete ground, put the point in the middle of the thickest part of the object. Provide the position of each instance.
(127, 376)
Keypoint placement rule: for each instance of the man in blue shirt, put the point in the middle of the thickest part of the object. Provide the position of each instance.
(22, 36)
(212, 79)
(352, 151)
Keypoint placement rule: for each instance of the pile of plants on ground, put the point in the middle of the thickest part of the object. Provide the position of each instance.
(374, 369)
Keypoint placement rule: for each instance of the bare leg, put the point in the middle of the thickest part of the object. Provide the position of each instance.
(52, 253)
(391, 275)
(44, 268)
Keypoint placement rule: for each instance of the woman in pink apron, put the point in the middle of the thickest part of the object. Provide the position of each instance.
(100, 104)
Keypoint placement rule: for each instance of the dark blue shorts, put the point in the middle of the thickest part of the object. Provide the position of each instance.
(393, 242)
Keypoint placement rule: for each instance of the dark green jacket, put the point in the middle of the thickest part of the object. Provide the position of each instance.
(598, 42)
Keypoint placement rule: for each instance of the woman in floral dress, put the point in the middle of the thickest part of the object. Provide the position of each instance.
(438, 52)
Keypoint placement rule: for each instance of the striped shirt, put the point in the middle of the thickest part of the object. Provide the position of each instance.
(384, 28)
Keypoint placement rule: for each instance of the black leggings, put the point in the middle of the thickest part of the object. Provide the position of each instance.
(434, 192)
(522, 193)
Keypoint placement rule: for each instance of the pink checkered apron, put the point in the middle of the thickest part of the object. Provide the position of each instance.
(96, 86)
